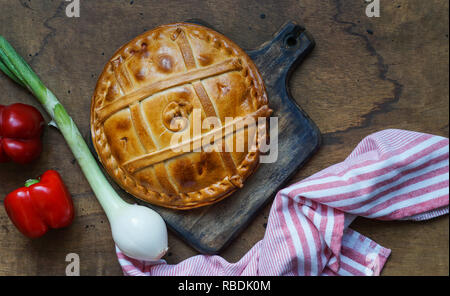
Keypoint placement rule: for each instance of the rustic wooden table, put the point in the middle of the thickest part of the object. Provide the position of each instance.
(365, 75)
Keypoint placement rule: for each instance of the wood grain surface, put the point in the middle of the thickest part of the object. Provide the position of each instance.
(365, 75)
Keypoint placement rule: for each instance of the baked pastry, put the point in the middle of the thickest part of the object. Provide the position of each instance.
(150, 91)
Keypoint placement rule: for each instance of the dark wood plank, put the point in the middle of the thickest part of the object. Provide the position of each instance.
(365, 74)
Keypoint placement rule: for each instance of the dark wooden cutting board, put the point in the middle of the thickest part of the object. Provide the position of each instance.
(210, 229)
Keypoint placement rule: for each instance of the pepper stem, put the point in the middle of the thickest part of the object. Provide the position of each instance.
(30, 182)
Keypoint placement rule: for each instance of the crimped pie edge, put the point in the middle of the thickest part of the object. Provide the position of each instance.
(208, 195)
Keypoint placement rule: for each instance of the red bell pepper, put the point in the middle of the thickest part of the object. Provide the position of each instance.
(20, 133)
(40, 205)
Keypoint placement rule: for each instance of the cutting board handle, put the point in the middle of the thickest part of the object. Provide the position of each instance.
(281, 55)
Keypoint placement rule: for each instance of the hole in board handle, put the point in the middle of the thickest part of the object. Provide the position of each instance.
(290, 41)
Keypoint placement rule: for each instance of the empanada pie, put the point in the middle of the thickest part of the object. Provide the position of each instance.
(164, 95)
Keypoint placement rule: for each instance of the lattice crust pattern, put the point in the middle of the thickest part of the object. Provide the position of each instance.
(178, 71)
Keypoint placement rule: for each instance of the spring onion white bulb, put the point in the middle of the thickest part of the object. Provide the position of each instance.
(138, 231)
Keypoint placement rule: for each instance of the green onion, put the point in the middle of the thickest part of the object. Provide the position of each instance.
(11, 75)
(146, 240)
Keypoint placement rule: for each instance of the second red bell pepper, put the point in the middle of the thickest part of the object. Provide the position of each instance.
(40, 205)
(20, 133)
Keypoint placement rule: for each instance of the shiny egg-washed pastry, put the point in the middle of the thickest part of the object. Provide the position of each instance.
(158, 78)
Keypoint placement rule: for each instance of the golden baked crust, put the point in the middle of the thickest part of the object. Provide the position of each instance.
(152, 81)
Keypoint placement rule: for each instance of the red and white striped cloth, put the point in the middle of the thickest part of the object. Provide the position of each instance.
(391, 175)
